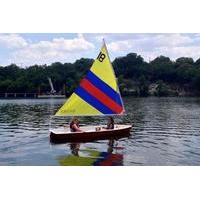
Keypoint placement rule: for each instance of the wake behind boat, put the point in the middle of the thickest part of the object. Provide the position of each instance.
(97, 95)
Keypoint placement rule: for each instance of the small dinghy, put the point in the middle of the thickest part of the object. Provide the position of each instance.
(91, 133)
(97, 95)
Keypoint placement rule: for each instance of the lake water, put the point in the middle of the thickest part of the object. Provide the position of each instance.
(166, 131)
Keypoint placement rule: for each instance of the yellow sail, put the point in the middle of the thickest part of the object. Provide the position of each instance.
(98, 92)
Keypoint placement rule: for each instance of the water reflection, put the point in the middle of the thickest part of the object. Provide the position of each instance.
(91, 157)
(166, 131)
(74, 147)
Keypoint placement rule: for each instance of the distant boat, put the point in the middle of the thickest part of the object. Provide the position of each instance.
(52, 93)
(97, 95)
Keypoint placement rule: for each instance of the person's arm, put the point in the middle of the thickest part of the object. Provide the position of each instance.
(77, 128)
(104, 127)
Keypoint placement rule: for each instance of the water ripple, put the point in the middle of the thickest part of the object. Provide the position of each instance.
(166, 131)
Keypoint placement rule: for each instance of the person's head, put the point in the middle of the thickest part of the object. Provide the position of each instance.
(111, 120)
(75, 120)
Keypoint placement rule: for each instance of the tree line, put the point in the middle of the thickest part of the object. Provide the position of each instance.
(135, 76)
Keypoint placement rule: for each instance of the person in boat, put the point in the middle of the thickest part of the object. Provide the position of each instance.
(110, 124)
(74, 125)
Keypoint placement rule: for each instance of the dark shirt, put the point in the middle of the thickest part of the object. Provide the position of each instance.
(72, 127)
(110, 126)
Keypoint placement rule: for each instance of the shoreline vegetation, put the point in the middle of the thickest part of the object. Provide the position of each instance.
(159, 77)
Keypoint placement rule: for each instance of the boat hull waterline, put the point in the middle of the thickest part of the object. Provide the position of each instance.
(91, 133)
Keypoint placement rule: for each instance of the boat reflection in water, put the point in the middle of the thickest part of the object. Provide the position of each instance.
(93, 158)
(75, 148)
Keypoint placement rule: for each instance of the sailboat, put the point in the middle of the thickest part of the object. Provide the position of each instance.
(97, 95)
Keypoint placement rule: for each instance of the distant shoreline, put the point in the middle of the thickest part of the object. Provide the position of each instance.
(159, 77)
(126, 96)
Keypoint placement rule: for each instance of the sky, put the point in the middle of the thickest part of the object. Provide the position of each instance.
(45, 48)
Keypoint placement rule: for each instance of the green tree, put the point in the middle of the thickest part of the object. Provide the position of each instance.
(162, 89)
(143, 87)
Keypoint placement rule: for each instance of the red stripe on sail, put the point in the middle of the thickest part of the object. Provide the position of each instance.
(103, 98)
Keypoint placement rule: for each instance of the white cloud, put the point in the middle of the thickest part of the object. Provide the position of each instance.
(158, 40)
(100, 37)
(183, 51)
(12, 41)
(171, 40)
(152, 45)
(120, 45)
(58, 49)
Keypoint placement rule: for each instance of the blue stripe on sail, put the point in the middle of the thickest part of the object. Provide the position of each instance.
(93, 101)
(105, 88)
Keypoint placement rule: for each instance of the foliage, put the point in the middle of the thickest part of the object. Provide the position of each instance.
(162, 89)
(134, 75)
(143, 86)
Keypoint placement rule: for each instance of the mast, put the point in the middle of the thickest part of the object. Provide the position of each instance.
(51, 85)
